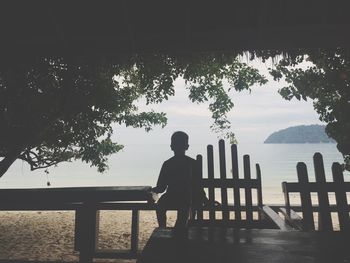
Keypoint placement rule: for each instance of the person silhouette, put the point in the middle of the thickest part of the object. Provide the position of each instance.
(180, 177)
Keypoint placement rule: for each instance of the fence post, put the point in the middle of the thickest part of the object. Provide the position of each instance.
(211, 189)
(324, 214)
(199, 209)
(224, 202)
(248, 189)
(340, 195)
(305, 197)
(259, 190)
(235, 176)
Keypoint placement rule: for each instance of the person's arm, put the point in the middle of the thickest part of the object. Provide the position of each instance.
(162, 182)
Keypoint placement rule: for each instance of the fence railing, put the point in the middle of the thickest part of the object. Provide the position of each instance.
(322, 189)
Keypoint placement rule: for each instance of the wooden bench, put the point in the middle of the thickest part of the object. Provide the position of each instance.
(248, 214)
(322, 188)
(86, 202)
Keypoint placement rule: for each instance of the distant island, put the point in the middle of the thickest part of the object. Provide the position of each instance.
(300, 134)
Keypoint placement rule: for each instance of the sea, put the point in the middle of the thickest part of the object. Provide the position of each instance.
(139, 164)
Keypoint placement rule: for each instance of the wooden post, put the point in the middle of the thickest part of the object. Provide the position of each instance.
(78, 228)
(286, 198)
(248, 190)
(259, 190)
(305, 197)
(340, 195)
(235, 175)
(135, 231)
(89, 234)
(199, 210)
(224, 202)
(211, 189)
(324, 220)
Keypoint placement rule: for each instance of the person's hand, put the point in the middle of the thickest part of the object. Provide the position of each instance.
(206, 201)
(154, 197)
(217, 204)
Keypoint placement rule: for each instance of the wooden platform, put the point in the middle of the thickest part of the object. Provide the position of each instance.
(248, 246)
(13, 199)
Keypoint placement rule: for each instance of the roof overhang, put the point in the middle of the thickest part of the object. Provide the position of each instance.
(128, 27)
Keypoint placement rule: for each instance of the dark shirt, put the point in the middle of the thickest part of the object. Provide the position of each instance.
(180, 177)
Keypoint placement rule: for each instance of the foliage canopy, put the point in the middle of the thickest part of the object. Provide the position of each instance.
(326, 81)
(62, 108)
(55, 109)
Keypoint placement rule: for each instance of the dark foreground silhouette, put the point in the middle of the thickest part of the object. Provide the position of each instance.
(180, 178)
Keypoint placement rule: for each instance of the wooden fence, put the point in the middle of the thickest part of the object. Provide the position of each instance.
(232, 183)
(322, 188)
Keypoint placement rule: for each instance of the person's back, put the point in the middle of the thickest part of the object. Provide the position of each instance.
(177, 173)
(179, 176)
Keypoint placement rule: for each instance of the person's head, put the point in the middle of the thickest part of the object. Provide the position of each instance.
(179, 142)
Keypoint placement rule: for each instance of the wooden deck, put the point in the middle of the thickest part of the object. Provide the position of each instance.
(223, 245)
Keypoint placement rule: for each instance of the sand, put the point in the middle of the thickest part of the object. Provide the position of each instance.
(49, 236)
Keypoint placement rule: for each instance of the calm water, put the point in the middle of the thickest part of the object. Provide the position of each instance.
(140, 164)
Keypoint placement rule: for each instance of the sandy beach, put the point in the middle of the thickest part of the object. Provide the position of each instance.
(49, 236)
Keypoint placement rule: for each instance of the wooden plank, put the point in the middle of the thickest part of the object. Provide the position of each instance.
(235, 175)
(340, 195)
(314, 208)
(213, 244)
(73, 206)
(275, 218)
(325, 220)
(255, 224)
(75, 194)
(231, 207)
(313, 187)
(305, 197)
(248, 189)
(211, 189)
(259, 189)
(199, 210)
(116, 253)
(24, 206)
(224, 201)
(126, 206)
(286, 197)
(292, 218)
(240, 183)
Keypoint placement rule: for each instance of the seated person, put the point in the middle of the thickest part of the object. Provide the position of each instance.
(180, 177)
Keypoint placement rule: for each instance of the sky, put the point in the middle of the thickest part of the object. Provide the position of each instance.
(254, 117)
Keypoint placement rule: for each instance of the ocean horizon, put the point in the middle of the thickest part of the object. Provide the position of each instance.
(139, 164)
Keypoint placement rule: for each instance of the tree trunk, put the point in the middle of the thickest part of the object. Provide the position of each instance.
(7, 162)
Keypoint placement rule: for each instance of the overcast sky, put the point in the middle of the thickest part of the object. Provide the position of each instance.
(254, 116)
